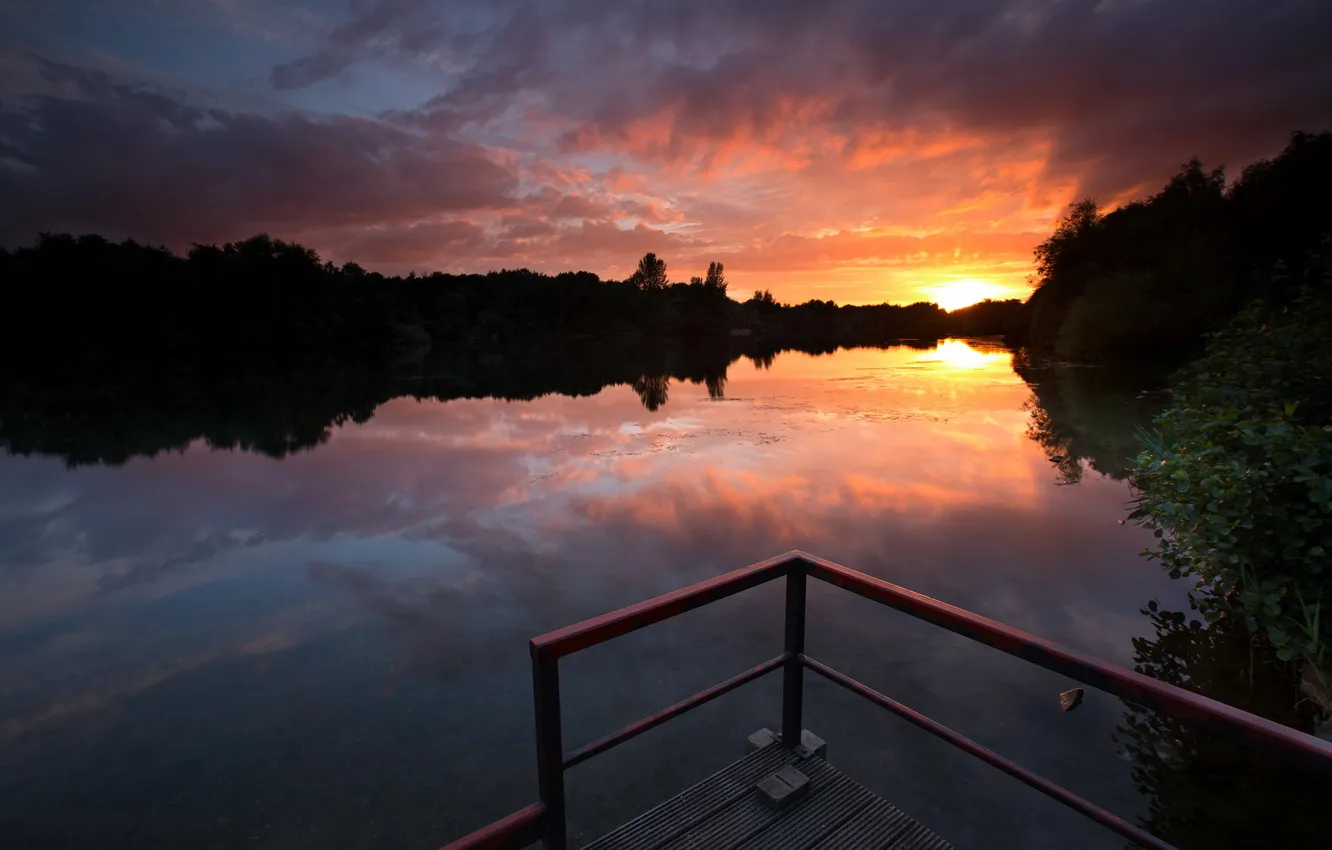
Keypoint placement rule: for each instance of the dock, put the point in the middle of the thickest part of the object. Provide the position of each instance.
(727, 810)
(787, 795)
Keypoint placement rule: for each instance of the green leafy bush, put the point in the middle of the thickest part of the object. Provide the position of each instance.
(1236, 479)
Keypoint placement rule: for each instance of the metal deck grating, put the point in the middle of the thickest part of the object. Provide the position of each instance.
(723, 812)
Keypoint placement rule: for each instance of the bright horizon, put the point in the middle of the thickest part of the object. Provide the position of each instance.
(817, 151)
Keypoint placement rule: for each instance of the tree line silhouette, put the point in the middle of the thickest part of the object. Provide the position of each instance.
(1152, 277)
(114, 350)
(261, 344)
(96, 302)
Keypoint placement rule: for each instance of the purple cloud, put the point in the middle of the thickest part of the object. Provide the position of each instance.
(1126, 87)
(120, 159)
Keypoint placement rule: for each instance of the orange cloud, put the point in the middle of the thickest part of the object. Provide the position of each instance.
(820, 150)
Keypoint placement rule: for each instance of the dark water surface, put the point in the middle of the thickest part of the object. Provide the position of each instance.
(219, 649)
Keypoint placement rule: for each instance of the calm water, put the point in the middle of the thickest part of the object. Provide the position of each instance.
(222, 649)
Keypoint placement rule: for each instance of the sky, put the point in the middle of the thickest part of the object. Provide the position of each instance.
(855, 150)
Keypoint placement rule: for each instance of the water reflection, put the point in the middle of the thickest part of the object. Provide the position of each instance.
(716, 385)
(141, 414)
(1089, 415)
(1204, 792)
(329, 649)
(654, 390)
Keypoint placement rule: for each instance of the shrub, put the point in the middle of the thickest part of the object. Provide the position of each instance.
(1236, 478)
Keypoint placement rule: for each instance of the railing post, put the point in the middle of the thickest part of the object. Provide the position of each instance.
(794, 675)
(550, 748)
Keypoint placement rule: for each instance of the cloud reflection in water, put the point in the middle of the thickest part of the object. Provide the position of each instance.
(395, 573)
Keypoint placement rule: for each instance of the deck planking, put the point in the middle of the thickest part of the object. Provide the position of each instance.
(725, 811)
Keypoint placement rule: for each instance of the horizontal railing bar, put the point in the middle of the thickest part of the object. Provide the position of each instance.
(571, 639)
(1062, 795)
(512, 832)
(637, 728)
(1245, 728)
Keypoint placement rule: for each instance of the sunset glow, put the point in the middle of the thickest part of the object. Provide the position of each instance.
(965, 292)
(818, 151)
(954, 355)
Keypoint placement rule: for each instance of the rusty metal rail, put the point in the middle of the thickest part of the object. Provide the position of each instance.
(546, 820)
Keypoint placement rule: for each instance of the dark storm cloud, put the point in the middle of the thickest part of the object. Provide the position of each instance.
(1132, 88)
(554, 133)
(384, 28)
(1125, 88)
(102, 155)
(351, 41)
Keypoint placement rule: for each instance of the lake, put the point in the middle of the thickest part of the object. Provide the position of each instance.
(223, 649)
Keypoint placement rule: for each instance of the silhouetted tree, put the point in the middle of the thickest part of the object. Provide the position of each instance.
(716, 278)
(762, 301)
(1060, 252)
(1156, 275)
(651, 273)
(985, 318)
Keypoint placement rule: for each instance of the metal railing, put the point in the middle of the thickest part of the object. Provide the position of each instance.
(545, 821)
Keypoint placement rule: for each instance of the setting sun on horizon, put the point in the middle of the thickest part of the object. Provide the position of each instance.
(397, 137)
(953, 295)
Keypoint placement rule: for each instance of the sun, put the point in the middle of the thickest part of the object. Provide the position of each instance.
(962, 293)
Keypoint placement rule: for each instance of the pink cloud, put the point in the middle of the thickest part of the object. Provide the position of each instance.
(851, 148)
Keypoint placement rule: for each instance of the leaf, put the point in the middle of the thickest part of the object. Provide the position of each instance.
(1070, 699)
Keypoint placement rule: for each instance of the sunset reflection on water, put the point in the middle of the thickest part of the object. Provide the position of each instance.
(229, 631)
(812, 440)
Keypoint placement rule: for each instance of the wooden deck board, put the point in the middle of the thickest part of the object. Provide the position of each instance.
(725, 811)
